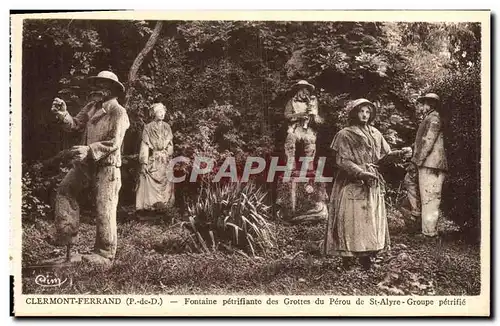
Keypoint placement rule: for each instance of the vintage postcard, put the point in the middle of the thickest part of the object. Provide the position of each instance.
(250, 163)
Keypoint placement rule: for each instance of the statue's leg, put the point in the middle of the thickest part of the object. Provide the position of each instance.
(430, 183)
(108, 184)
(290, 150)
(310, 147)
(412, 193)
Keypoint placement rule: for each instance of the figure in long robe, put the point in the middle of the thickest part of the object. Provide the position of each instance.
(357, 224)
(155, 189)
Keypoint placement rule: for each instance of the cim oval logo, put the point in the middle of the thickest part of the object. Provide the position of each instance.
(49, 280)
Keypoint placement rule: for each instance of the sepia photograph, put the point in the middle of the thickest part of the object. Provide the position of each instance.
(246, 158)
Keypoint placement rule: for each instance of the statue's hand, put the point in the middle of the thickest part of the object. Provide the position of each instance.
(303, 115)
(407, 152)
(368, 177)
(80, 153)
(58, 107)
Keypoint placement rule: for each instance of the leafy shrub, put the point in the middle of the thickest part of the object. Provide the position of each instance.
(37, 189)
(31, 203)
(461, 98)
(233, 215)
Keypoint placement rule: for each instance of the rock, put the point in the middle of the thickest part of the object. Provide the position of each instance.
(396, 291)
(400, 246)
(404, 257)
(302, 202)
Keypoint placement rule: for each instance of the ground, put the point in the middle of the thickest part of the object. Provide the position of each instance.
(154, 258)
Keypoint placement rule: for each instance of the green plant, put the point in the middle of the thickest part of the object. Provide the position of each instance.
(461, 97)
(232, 215)
(32, 205)
(37, 188)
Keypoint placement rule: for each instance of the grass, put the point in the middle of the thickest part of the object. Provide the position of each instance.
(157, 259)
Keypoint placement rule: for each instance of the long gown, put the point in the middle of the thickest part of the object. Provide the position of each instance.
(154, 187)
(357, 223)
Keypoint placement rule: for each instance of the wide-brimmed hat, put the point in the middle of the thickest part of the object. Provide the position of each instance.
(362, 101)
(109, 78)
(303, 83)
(429, 97)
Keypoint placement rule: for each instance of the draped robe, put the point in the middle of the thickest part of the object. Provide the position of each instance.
(154, 187)
(357, 223)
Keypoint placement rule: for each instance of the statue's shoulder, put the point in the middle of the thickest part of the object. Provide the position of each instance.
(340, 138)
(434, 115)
(375, 131)
(165, 125)
(344, 132)
(116, 108)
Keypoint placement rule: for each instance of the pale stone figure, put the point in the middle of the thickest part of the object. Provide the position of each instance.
(96, 166)
(156, 150)
(426, 175)
(357, 224)
(300, 111)
(302, 201)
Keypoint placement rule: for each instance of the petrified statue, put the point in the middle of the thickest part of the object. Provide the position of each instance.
(300, 111)
(302, 198)
(154, 188)
(96, 165)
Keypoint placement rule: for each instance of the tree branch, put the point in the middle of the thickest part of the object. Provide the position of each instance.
(132, 76)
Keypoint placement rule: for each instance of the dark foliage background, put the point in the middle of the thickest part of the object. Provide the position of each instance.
(225, 84)
(462, 98)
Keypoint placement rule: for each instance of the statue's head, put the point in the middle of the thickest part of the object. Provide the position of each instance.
(362, 112)
(427, 103)
(158, 111)
(104, 86)
(303, 89)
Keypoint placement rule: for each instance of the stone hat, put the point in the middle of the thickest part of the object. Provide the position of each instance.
(429, 96)
(361, 101)
(303, 83)
(107, 77)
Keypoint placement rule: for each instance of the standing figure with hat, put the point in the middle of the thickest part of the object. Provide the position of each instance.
(154, 186)
(357, 223)
(96, 166)
(426, 173)
(300, 110)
